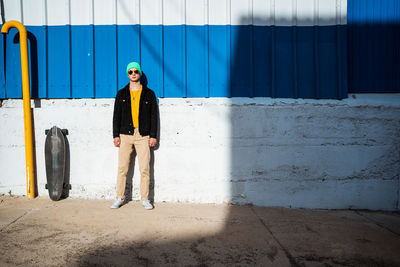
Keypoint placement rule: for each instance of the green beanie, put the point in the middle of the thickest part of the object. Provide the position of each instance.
(133, 65)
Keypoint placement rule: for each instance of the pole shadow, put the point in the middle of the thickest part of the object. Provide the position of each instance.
(33, 62)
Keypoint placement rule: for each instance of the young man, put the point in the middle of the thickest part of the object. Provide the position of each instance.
(134, 126)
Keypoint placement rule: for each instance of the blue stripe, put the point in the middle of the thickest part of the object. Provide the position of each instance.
(82, 61)
(219, 64)
(181, 61)
(13, 65)
(197, 63)
(128, 49)
(105, 66)
(2, 68)
(174, 61)
(262, 48)
(58, 61)
(151, 57)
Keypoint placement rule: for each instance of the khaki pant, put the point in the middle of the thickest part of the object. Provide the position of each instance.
(141, 145)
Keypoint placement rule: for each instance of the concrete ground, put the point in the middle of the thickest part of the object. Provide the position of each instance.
(75, 232)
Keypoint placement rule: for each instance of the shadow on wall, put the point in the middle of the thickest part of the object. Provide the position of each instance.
(374, 58)
(276, 152)
(33, 63)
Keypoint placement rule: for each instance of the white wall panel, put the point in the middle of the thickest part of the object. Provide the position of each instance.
(104, 12)
(178, 12)
(128, 12)
(305, 12)
(219, 12)
(36, 18)
(151, 12)
(284, 13)
(81, 12)
(174, 12)
(343, 12)
(327, 12)
(13, 10)
(58, 12)
(262, 12)
(196, 12)
(241, 12)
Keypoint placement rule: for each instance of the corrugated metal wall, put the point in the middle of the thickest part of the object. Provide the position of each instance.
(192, 48)
(374, 45)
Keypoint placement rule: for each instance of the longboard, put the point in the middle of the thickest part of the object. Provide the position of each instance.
(55, 156)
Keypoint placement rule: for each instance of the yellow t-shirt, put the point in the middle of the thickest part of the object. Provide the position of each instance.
(135, 100)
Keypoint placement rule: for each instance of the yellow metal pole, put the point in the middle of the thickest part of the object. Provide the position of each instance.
(30, 178)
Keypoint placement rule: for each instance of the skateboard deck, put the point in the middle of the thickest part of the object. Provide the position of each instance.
(55, 155)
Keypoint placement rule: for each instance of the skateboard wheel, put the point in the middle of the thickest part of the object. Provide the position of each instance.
(46, 131)
(64, 131)
(46, 186)
(67, 186)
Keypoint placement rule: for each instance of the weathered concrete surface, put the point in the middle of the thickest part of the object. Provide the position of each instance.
(77, 232)
(270, 152)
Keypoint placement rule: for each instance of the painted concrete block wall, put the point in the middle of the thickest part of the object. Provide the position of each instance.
(269, 152)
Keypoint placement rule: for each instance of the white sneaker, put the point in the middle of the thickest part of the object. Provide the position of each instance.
(147, 205)
(118, 203)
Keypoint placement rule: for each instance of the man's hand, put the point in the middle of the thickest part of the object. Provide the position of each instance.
(152, 142)
(117, 141)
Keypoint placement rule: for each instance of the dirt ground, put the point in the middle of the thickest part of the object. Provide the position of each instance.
(77, 232)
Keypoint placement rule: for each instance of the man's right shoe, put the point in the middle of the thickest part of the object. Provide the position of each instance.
(118, 203)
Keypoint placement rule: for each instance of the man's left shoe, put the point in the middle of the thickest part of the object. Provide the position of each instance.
(147, 205)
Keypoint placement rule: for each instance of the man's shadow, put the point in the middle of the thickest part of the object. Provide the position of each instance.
(129, 190)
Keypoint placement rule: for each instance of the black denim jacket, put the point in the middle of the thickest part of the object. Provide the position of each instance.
(148, 113)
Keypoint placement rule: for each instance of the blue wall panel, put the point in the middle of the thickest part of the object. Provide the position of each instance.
(128, 49)
(37, 51)
(197, 66)
(185, 61)
(262, 61)
(105, 63)
(59, 62)
(327, 62)
(242, 61)
(305, 62)
(374, 47)
(2, 66)
(283, 62)
(151, 57)
(219, 63)
(82, 61)
(13, 65)
(174, 61)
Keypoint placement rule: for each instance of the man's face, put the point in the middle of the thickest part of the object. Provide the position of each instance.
(134, 75)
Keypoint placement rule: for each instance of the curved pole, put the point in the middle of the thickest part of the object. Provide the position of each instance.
(30, 178)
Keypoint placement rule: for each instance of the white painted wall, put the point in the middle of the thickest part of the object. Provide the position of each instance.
(177, 12)
(273, 152)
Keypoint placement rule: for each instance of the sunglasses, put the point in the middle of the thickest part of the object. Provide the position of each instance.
(133, 71)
